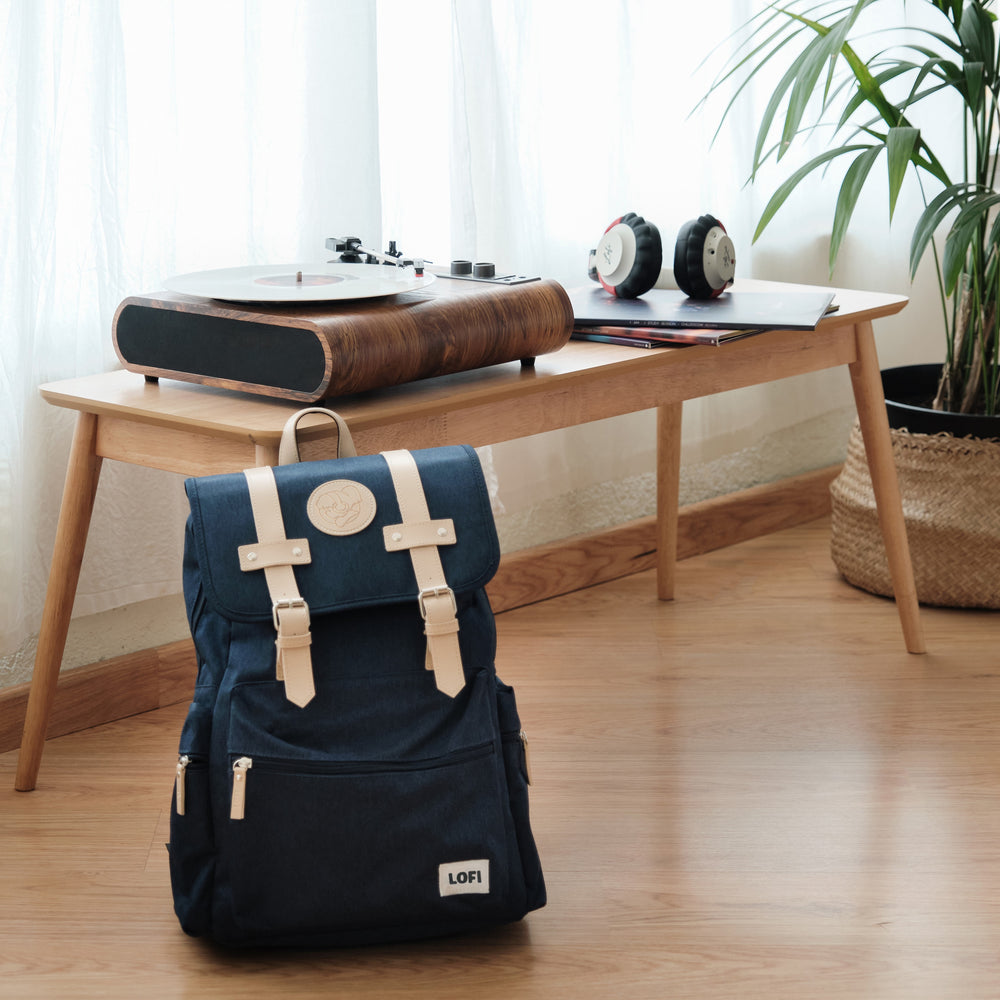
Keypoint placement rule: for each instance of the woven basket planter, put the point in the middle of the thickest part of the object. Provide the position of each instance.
(951, 503)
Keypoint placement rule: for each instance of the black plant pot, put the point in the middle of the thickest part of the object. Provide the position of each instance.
(909, 391)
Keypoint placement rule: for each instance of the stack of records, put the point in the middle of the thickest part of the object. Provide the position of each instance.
(664, 318)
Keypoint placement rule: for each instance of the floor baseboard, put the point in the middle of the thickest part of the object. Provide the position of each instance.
(103, 692)
(570, 564)
(153, 678)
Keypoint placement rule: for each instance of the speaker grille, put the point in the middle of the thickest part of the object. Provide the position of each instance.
(265, 354)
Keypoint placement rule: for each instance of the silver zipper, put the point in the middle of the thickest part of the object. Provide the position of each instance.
(182, 763)
(527, 755)
(238, 805)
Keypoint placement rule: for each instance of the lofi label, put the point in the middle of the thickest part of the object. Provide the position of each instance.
(461, 877)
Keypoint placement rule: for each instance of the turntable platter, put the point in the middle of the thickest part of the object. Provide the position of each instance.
(311, 282)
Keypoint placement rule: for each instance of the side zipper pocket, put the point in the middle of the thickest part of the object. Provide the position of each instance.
(192, 844)
(180, 784)
(517, 762)
(520, 737)
(185, 762)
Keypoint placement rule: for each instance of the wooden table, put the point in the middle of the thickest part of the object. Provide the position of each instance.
(195, 430)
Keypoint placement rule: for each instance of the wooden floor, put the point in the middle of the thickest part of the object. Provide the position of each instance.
(750, 792)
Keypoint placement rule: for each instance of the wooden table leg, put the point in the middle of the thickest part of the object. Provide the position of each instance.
(870, 401)
(668, 484)
(265, 455)
(71, 538)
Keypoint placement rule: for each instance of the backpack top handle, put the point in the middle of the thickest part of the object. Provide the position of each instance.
(288, 449)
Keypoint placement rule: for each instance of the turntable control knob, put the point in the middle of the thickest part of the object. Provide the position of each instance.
(484, 269)
(461, 267)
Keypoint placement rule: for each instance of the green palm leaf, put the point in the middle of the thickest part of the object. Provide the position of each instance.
(959, 241)
(901, 145)
(785, 189)
(850, 189)
(948, 201)
(835, 73)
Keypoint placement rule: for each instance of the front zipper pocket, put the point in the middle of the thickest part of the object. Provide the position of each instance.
(237, 807)
(237, 801)
(344, 845)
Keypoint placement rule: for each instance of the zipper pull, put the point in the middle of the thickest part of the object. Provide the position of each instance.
(527, 755)
(240, 768)
(182, 763)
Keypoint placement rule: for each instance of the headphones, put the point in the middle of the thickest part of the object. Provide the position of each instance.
(629, 259)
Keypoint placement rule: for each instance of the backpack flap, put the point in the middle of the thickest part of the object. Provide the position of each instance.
(348, 544)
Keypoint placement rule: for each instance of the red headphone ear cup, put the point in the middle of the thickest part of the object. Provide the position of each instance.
(689, 258)
(648, 258)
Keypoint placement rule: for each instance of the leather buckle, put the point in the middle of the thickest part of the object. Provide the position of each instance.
(288, 602)
(436, 592)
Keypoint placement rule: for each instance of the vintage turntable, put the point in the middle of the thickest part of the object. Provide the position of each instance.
(365, 320)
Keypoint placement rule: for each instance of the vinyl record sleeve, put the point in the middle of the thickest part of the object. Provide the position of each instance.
(733, 310)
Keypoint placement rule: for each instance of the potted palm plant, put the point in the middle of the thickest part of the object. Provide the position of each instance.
(876, 91)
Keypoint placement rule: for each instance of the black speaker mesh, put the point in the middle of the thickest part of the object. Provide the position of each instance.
(217, 347)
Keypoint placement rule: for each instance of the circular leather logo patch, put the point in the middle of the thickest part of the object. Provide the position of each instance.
(341, 507)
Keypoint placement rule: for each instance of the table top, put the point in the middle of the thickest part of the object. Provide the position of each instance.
(584, 369)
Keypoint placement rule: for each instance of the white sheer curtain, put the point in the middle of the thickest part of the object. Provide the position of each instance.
(141, 139)
(550, 119)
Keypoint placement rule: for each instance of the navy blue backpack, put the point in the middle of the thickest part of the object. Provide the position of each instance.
(351, 769)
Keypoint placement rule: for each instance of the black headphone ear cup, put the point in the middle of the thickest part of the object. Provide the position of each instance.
(689, 257)
(648, 258)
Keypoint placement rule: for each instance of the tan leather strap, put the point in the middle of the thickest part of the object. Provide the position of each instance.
(289, 609)
(421, 537)
(288, 448)
(283, 553)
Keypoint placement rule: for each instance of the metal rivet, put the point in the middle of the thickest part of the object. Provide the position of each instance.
(251, 557)
(296, 551)
(442, 532)
(397, 537)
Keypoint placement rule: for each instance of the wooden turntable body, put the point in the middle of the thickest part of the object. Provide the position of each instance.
(319, 350)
